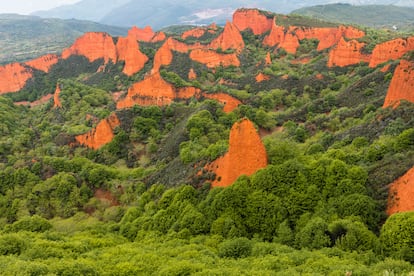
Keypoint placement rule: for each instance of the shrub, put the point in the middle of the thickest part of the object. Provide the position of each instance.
(235, 248)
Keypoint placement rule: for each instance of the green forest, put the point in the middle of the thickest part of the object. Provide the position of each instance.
(138, 206)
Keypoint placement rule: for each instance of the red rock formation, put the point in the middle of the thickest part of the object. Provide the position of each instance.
(268, 59)
(42, 100)
(93, 46)
(213, 59)
(101, 134)
(229, 102)
(154, 90)
(276, 35)
(230, 38)
(128, 50)
(401, 194)
(262, 77)
(13, 77)
(159, 36)
(43, 63)
(252, 19)
(402, 85)
(145, 34)
(246, 155)
(347, 53)
(290, 43)
(390, 50)
(56, 100)
(192, 74)
(196, 32)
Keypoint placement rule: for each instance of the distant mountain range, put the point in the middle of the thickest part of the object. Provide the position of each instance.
(25, 37)
(377, 16)
(162, 13)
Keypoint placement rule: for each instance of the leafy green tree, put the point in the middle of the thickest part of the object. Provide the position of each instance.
(314, 235)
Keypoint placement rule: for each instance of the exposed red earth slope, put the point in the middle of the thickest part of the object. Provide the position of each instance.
(213, 59)
(13, 77)
(102, 134)
(93, 46)
(128, 51)
(229, 102)
(262, 77)
(154, 90)
(246, 155)
(401, 194)
(402, 85)
(347, 53)
(230, 38)
(252, 19)
(146, 34)
(56, 99)
(43, 63)
(391, 50)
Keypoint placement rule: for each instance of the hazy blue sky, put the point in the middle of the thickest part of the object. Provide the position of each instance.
(28, 6)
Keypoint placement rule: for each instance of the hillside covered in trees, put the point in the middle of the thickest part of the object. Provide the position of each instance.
(273, 145)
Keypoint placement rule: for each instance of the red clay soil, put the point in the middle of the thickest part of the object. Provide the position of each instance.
(56, 99)
(402, 85)
(252, 19)
(401, 194)
(196, 32)
(391, 50)
(230, 38)
(146, 34)
(43, 63)
(41, 101)
(268, 59)
(246, 155)
(93, 46)
(347, 53)
(262, 77)
(106, 196)
(128, 51)
(229, 102)
(213, 59)
(192, 74)
(13, 77)
(101, 134)
(154, 90)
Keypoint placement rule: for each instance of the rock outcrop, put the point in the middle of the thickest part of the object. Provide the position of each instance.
(262, 77)
(128, 51)
(347, 53)
(228, 101)
(56, 99)
(101, 135)
(192, 75)
(43, 63)
(402, 85)
(146, 34)
(252, 19)
(154, 90)
(13, 77)
(196, 32)
(213, 59)
(230, 38)
(391, 50)
(93, 46)
(401, 194)
(246, 155)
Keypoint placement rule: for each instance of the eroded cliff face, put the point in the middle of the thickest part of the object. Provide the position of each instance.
(101, 135)
(13, 77)
(230, 38)
(128, 51)
(347, 53)
(56, 99)
(43, 63)
(246, 155)
(402, 85)
(93, 46)
(196, 32)
(228, 101)
(252, 19)
(391, 50)
(146, 34)
(154, 90)
(213, 59)
(401, 194)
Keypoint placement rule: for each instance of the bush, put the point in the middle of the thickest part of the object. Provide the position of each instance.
(235, 248)
(31, 224)
(11, 244)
